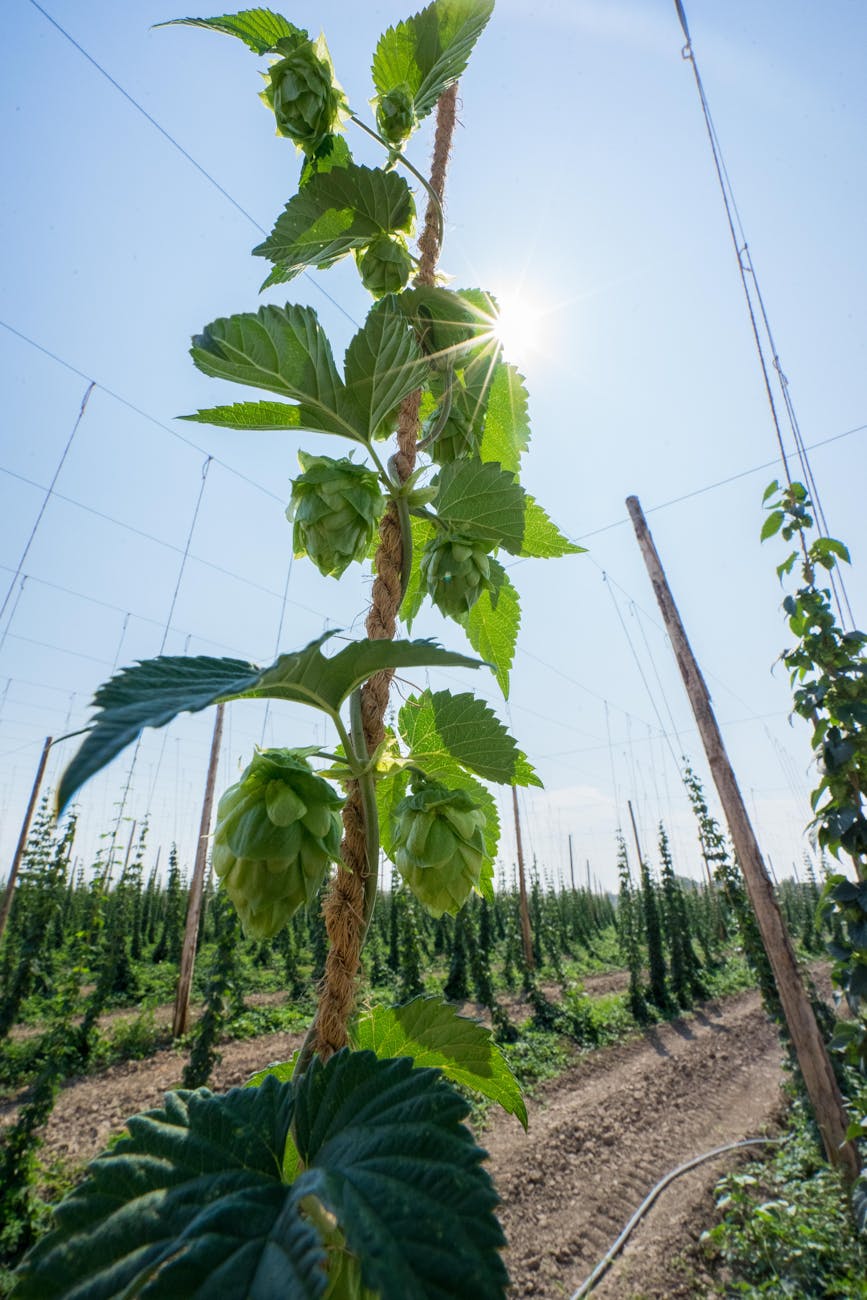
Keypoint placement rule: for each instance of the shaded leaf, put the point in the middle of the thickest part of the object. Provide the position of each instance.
(772, 524)
(385, 1151)
(335, 212)
(433, 1034)
(479, 499)
(190, 1204)
(284, 350)
(383, 365)
(152, 693)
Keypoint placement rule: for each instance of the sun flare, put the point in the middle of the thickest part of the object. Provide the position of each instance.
(519, 326)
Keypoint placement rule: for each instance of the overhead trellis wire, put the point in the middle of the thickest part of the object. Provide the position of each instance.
(48, 494)
(175, 145)
(756, 308)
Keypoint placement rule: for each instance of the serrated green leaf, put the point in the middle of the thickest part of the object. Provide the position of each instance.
(430, 50)
(451, 323)
(259, 29)
(190, 1204)
(468, 730)
(433, 1034)
(542, 538)
(506, 429)
(492, 626)
(335, 212)
(383, 365)
(482, 500)
(385, 1151)
(286, 351)
(250, 415)
(422, 531)
(440, 766)
(152, 693)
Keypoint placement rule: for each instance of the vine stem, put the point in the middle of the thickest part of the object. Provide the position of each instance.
(431, 192)
(347, 907)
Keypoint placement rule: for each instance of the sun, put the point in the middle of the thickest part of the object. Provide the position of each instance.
(519, 325)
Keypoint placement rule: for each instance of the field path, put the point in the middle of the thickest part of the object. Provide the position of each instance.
(604, 1133)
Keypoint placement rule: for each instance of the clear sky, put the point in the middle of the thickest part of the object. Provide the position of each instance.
(582, 186)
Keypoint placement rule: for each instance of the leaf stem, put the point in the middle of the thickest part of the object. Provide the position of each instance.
(432, 194)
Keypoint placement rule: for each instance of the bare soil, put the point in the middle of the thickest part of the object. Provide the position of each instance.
(605, 1132)
(601, 1136)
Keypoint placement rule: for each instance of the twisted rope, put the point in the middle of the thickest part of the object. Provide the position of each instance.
(343, 908)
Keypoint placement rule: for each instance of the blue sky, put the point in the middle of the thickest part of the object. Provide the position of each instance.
(581, 179)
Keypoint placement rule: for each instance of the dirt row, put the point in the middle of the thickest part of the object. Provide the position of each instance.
(600, 1137)
(604, 1133)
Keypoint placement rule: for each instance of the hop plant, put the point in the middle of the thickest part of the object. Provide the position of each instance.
(277, 830)
(336, 506)
(308, 103)
(395, 115)
(438, 844)
(385, 265)
(455, 571)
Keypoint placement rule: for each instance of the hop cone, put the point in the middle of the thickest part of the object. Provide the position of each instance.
(395, 115)
(277, 830)
(336, 506)
(439, 847)
(455, 571)
(306, 100)
(385, 266)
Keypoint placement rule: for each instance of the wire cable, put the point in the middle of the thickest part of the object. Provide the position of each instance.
(175, 145)
(748, 275)
(48, 493)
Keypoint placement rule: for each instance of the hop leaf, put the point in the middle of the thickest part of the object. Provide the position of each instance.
(336, 506)
(277, 830)
(438, 845)
(385, 265)
(308, 103)
(455, 571)
(395, 115)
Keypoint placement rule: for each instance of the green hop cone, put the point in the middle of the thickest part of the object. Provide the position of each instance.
(385, 265)
(308, 103)
(336, 506)
(277, 830)
(395, 115)
(455, 571)
(439, 847)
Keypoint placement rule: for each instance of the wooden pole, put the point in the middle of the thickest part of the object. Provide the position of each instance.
(22, 838)
(571, 863)
(128, 850)
(800, 1019)
(526, 936)
(635, 833)
(194, 906)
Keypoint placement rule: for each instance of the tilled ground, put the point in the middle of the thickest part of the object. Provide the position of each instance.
(603, 1134)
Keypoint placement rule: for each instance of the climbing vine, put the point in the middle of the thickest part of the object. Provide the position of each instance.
(828, 672)
(347, 1172)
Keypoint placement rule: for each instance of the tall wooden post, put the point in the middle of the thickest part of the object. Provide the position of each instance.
(22, 838)
(635, 833)
(526, 936)
(571, 863)
(800, 1019)
(194, 905)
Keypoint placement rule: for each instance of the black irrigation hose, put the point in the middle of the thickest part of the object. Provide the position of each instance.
(587, 1286)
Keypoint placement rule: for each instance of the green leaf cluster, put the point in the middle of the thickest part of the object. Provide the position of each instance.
(198, 1199)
